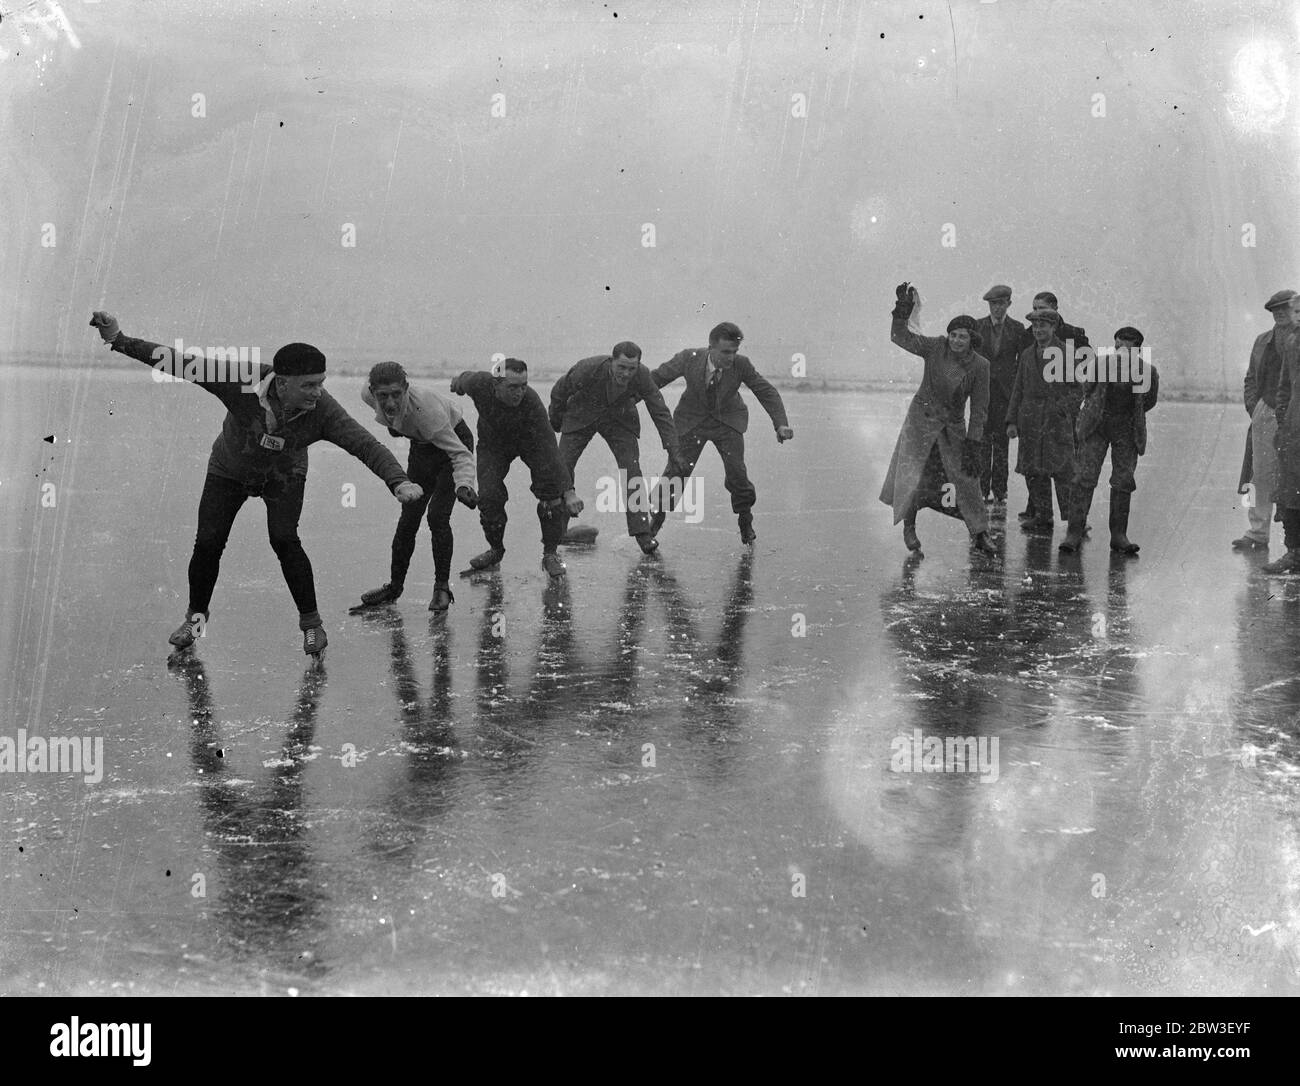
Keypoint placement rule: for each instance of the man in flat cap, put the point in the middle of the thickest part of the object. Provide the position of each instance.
(1041, 416)
(261, 452)
(1001, 337)
(1259, 393)
(1067, 334)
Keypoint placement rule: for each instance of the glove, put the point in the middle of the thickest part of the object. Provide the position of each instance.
(408, 492)
(572, 503)
(455, 386)
(905, 301)
(107, 325)
(784, 434)
(466, 496)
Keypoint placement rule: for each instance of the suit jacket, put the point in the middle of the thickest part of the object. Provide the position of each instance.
(1092, 412)
(1005, 361)
(581, 398)
(694, 409)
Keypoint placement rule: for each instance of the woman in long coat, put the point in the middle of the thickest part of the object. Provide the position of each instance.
(935, 463)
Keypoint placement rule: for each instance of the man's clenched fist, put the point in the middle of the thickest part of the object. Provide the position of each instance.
(408, 492)
(466, 495)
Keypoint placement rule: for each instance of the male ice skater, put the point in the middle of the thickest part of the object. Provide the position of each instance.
(1263, 375)
(599, 396)
(1041, 417)
(1113, 416)
(711, 410)
(512, 423)
(1000, 336)
(440, 462)
(261, 452)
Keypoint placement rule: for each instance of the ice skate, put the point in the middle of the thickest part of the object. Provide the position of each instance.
(442, 597)
(314, 641)
(552, 564)
(490, 559)
(377, 597)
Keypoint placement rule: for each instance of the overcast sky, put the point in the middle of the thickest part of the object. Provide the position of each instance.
(518, 224)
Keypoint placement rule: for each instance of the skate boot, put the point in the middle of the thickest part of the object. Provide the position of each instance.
(489, 559)
(1288, 563)
(189, 630)
(747, 533)
(1119, 509)
(647, 542)
(980, 542)
(442, 597)
(552, 564)
(910, 538)
(313, 634)
(377, 597)
(657, 522)
(1073, 539)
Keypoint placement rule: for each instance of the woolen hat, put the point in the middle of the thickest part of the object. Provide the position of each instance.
(298, 360)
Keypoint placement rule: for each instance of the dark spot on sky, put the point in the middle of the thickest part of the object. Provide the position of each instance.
(607, 286)
(282, 124)
(882, 35)
(169, 870)
(20, 848)
(49, 437)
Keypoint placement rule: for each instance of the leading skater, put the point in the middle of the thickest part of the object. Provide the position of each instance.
(261, 452)
(936, 458)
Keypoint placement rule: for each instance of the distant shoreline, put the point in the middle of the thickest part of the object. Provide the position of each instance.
(786, 384)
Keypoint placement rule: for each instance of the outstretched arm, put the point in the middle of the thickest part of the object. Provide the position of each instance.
(340, 428)
(674, 368)
(769, 397)
(223, 377)
(659, 413)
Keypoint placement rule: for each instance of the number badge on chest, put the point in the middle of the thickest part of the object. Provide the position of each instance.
(275, 444)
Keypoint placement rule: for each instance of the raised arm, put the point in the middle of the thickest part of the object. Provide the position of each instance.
(192, 367)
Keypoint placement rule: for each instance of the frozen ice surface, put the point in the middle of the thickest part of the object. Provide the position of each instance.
(470, 804)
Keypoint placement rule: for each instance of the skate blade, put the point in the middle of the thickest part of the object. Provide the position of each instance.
(486, 569)
(581, 535)
(361, 608)
(316, 660)
(180, 657)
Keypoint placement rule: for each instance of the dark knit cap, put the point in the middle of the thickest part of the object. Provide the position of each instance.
(1129, 333)
(298, 360)
(970, 324)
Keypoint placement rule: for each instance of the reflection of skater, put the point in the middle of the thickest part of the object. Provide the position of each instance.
(440, 462)
(512, 423)
(1260, 395)
(1113, 416)
(262, 452)
(711, 410)
(1041, 415)
(599, 396)
(936, 460)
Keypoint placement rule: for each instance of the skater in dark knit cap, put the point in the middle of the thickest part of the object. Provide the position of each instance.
(512, 423)
(441, 461)
(261, 452)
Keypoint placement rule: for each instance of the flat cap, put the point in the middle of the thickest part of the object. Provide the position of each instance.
(998, 293)
(1281, 298)
(1043, 314)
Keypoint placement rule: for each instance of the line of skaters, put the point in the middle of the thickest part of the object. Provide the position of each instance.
(261, 452)
(1064, 421)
